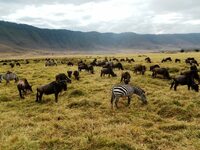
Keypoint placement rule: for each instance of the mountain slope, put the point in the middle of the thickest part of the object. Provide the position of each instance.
(22, 37)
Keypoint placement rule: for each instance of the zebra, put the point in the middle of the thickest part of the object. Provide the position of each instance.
(9, 76)
(126, 90)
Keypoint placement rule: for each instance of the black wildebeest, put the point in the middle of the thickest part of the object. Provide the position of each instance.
(118, 65)
(162, 71)
(76, 75)
(177, 60)
(54, 87)
(148, 60)
(153, 67)
(139, 68)
(23, 86)
(184, 80)
(108, 71)
(125, 77)
(69, 73)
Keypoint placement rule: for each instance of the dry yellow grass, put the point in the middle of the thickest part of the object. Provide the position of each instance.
(82, 118)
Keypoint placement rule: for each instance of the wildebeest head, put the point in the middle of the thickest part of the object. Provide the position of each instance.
(63, 77)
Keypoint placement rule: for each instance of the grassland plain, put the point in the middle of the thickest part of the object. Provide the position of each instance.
(83, 119)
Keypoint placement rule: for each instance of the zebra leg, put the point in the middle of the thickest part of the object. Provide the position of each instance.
(129, 101)
(116, 101)
(112, 99)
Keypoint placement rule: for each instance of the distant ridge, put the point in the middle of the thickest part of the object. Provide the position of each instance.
(21, 37)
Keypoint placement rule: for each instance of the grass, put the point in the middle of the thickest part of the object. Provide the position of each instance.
(83, 119)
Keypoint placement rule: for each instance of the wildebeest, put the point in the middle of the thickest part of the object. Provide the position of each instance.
(162, 71)
(50, 63)
(118, 65)
(139, 68)
(166, 59)
(63, 77)
(4, 63)
(125, 77)
(54, 87)
(193, 74)
(90, 69)
(9, 76)
(177, 60)
(153, 67)
(12, 65)
(148, 60)
(70, 64)
(76, 75)
(18, 64)
(191, 61)
(69, 73)
(184, 80)
(23, 86)
(108, 71)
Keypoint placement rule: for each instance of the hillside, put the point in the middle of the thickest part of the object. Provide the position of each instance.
(24, 37)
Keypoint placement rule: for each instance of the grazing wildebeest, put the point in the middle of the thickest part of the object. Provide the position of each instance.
(76, 75)
(122, 59)
(63, 77)
(118, 65)
(148, 60)
(82, 66)
(191, 61)
(4, 63)
(192, 74)
(23, 86)
(108, 64)
(184, 80)
(70, 64)
(161, 71)
(126, 90)
(139, 68)
(69, 73)
(54, 87)
(50, 63)
(27, 62)
(108, 71)
(166, 59)
(153, 67)
(177, 60)
(18, 64)
(90, 69)
(125, 77)
(9, 76)
(12, 65)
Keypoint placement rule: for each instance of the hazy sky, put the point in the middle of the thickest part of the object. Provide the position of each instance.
(140, 16)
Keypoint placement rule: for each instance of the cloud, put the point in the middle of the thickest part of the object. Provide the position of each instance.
(140, 16)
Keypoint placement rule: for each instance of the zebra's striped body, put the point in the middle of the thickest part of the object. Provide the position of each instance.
(126, 90)
(9, 76)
